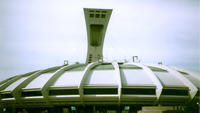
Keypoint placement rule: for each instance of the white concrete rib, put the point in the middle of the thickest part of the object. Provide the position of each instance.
(14, 79)
(85, 74)
(17, 91)
(191, 73)
(153, 77)
(117, 71)
(52, 80)
(192, 88)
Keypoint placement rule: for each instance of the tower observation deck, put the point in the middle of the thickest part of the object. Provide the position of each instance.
(96, 23)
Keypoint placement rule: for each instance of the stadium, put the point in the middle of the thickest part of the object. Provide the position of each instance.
(98, 86)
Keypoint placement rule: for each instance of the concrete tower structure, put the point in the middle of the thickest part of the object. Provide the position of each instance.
(96, 23)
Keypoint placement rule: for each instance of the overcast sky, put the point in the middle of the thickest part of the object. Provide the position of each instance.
(37, 34)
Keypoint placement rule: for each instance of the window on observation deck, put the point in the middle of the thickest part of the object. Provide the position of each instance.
(103, 16)
(91, 15)
(97, 15)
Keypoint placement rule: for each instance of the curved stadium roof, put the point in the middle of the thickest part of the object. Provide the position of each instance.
(124, 83)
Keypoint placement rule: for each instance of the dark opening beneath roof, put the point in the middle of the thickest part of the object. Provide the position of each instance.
(64, 92)
(31, 93)
(91, 91)
(7, 95)
(174, 92)
(138, 91)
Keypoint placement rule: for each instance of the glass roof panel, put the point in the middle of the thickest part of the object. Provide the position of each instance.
(102, 77)
(195, 81)
(15, 84)
(40, 81)
(168, 79)
(69, 78)
(135, 77)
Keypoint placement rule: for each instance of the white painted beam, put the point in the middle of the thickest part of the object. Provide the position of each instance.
(85, 75)
(119, 79)
(153, 77)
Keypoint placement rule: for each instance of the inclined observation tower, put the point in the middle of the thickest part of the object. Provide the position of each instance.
(98, 85)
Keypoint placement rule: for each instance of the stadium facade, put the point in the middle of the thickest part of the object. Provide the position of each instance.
(97, 86)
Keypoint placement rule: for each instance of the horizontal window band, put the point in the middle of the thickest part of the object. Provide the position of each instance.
(8, 95)
(91, 91)
(138, 91)
(31, 93)
(64, 92)
(174, 92)
(102, 101)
